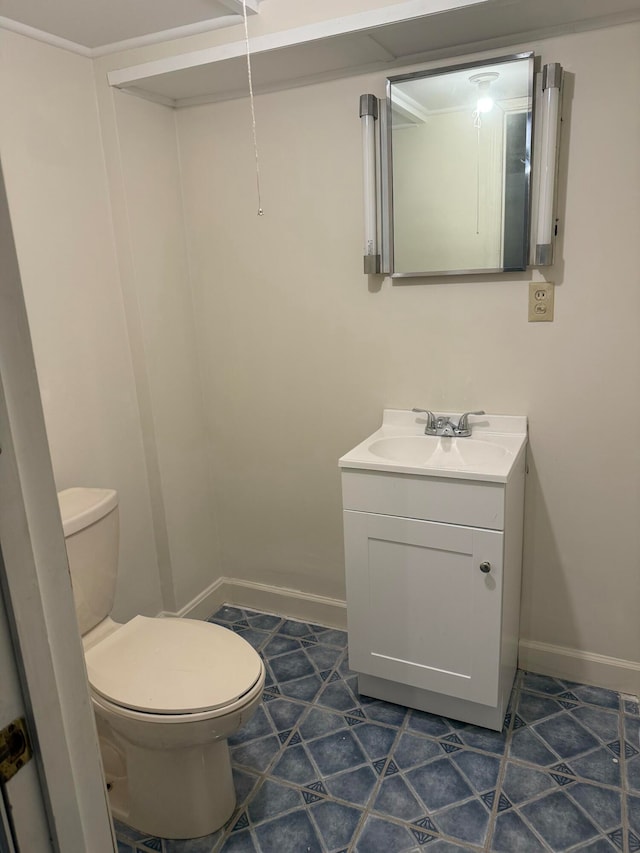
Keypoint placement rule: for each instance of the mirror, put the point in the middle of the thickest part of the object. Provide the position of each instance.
(459, 152)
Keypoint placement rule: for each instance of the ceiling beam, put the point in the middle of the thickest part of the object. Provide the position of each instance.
(237, 6)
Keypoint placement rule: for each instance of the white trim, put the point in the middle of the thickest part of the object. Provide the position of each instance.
(237, 6)
(291, 603)
(159, 37)
(41, 35)
(577, 665)
(168, 35)
(408, 10)
(38, 587)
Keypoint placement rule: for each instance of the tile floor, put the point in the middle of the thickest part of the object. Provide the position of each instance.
(321, 770)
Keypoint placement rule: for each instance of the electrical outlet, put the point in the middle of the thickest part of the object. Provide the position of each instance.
(541, 302)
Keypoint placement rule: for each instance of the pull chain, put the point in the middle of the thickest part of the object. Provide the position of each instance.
(253, 112)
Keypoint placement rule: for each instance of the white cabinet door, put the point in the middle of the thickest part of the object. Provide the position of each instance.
(421, 611)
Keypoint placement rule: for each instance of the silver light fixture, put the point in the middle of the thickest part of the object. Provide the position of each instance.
(368, 118)
(549, 118)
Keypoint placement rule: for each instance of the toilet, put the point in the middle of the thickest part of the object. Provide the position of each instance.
(167, 692)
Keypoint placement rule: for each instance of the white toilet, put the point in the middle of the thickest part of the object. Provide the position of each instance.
(167, 692)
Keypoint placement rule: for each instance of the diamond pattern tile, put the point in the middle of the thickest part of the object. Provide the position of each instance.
(321, 769)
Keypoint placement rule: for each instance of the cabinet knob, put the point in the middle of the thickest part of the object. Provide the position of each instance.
(485, 567)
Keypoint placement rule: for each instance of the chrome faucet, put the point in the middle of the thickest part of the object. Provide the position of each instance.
(445, 427)
(431, 420)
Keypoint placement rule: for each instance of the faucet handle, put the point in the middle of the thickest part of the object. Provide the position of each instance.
(463, 423)
(431, 418)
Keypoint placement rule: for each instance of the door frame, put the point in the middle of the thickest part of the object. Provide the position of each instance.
(37, 588)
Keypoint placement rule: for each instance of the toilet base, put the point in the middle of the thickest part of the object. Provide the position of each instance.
(182, 793)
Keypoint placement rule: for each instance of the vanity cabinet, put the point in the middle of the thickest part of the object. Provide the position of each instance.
(433, 567)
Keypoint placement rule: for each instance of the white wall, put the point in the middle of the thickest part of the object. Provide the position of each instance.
(161, 320)
(300, 352)
(56, 184)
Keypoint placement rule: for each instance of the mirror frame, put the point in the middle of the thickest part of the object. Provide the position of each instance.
(386, 168)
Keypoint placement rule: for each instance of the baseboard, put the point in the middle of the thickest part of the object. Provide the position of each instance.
(559, 661)
(576, 665)
(291, 603)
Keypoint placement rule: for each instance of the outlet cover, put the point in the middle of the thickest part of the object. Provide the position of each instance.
(541, 302)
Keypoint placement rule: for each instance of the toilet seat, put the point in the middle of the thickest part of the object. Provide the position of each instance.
(172, 666)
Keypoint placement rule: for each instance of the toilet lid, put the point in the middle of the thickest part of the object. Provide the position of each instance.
(172, 666)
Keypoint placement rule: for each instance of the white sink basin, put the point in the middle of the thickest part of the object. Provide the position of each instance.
(437, 452)
(400, 445)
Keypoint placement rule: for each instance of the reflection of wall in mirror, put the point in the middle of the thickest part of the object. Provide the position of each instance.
(448, 213)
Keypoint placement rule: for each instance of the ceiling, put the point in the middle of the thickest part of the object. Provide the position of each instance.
(363, 42)
(96, 23)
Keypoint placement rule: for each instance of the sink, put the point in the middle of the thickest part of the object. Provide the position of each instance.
(432, 451)
(400, 445)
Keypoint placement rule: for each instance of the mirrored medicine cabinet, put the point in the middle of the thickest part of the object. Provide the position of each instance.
(454, 180)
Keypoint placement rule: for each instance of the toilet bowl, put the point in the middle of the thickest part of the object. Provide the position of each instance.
(167, 692)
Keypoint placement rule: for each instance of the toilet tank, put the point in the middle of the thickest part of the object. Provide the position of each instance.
(91, 532)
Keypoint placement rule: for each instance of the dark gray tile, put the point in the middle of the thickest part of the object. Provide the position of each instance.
(385, 712)
(527, 746)
(523, 783)
(337, 823)
(354, 786)
(602, 805)
(124, 848)
(565, 735)
(294, 766)
(467, 822)
(512, 834)
(228, 614)
(324, 657)
(633, 812)
(256, 754)
(284, 713)
(339, 696)
(271, 800)
(333, 637)
(258, 726)
(542, 683)
(205, 844)
(238, 842)
(480, 770)
(244, 783)
(631, 707)
(532, 707)
(395, 799)
(304, 689)
(255, 638)
(601, 765)
(292, 665)
(264, 621)
(335, 752)
(290, 833)
(413, 750)
(438, 784)
(376, 740)
(559, 821)
(319, 722)
(128, 833)
(381, 836)
(602, 845)
(428, 724)
(485, 739)
(598, 696)
(280, 645)
(604, 724)
(292, 628)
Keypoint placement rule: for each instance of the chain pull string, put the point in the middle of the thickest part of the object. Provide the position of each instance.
(253, 111)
